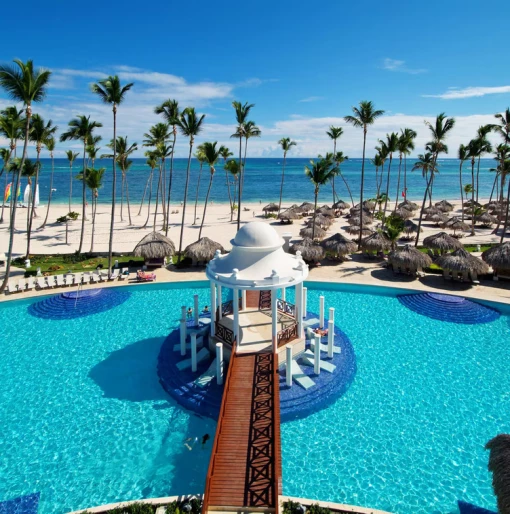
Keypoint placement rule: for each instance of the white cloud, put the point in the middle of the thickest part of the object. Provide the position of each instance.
(400, 66)
(311, 99)
(470, 92)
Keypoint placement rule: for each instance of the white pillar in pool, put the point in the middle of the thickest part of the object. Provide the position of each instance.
(220, 301)
(283, 294)
(288, 361)
(317, 355)
(321, 311)
(235, 303)
(299, 308)
(243, 299)
(331, 314)
(196, 313)
(183, 330)
(213, 309)
(331, 338)
(274, 320)
(305, 301)
(219, 363)
(193, 352)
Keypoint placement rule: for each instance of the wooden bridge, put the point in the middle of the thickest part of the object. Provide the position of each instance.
(245, 467)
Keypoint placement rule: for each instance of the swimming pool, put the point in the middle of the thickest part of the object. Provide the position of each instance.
(85, 421)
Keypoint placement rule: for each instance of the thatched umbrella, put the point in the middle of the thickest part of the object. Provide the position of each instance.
(442, 242)
(270, 207)
(498, 257)
(307, 207)
(409, 259)
(486, 220)
(203, 250)
(289, 215)
(310, 250)
(340, 205)
(407, 204)
(339, 245)
(410, 227)
(326, 211)
(308, 231)
(471, 202)
(431, 210)
(444, 206)
(461, 261)
(456, 224)
(403, 213)
(354, 229)
(154, 247)
(320, 220)
(436, 218)
(376, 242)
(499, 464)
(356, 220)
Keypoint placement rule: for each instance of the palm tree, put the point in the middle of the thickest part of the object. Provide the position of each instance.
(94, 181)
(232, 167)
(364, 115)
(111, 92)
(190, 125)
(485, 147)
(81, 129)
(439, 130)
(92, 148)
(391, 145)
(30, 170)
(25, 85)
(162, 151)
(50, 147)
(320, 173)
(211, 156)
(152, 162)
(405, 147)
(475, 149)
(71, 156)
(463, 155)
(170, 112)
(377, 161)
(334, 133)
(250, 130)
(225, 154)
(339, 158)
(200, 157)
(242, 111)
(286, 145)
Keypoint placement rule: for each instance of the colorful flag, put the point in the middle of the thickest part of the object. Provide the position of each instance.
(7, 193)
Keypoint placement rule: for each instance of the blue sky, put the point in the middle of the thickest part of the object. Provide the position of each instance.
(303, 64)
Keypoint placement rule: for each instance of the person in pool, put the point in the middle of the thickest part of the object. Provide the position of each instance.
(205, 438)
(190, 312)
(206, 308)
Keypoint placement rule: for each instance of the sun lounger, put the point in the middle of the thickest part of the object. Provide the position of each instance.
(143, 276)
(85, 278)
(21, 285)
(51, 281)
(115, 274)
(12, 287)
(30, 284)
(69, 279)
(94, 277)
(124, 273)
(207, 376)
(41, 283)
(60, 280)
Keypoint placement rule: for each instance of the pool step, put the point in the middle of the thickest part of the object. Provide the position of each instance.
(308, 359)
(200, 343)
(210, 374)
(186, 363)
(324, 347)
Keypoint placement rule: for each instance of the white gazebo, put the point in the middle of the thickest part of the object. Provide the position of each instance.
(258, 267)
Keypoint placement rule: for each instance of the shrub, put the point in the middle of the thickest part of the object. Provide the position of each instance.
(315, 508)
(69, 216)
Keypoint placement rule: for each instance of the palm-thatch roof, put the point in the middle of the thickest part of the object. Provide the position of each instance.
(410, 227)
(307, 207)
(409, 257)
(154, 246)
(431, 210)
(310, 250)
(326, 211)
(289, 214)
(403, 213)
(499, 464)
(461, 261)
(442, 241)
(456, 224)
(471, 202)
(378, 241)
(437, 218)
(318, 232)
(340, 205)
(486, 219)
(356, 220)
(498, 256)
(444, 206)
(407, 204)
(203, 250)
(320, 220)
(354, 229)
(270, 207)
(339, 244)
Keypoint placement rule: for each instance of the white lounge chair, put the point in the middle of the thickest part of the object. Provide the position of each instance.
(41, 283)
(30, 284)
(50, 280)
(77, 277)
(95, 277)
(124, 273)
(85, 278)
(21, 284)
(60, 280)
(12, 287)
(69, 279)
(115, 274)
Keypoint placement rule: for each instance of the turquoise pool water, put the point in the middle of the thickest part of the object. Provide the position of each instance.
(84, 420)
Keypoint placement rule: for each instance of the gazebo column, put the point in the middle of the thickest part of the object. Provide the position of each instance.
(235, 302)
(243, 299)
(220, 301)
(299, 309)
(274, 320)
(213, 308)
(283, 294)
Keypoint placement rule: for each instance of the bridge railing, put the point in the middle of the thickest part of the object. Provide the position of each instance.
(286, 307)
(287, 334)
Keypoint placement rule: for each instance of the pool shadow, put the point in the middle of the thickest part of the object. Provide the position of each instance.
(131, 373)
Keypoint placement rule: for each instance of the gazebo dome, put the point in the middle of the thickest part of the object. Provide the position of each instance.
(257, 235)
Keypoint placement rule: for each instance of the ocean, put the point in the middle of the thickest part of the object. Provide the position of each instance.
(262, 181)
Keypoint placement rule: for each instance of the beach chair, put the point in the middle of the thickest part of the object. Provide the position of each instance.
(143, 276)
(41, 283)
(115, 274)
(69, 279)
(21, 284)
(77, 278)
(60, 280)
(124, 273)
(85, 278)
(30, 284)
(12, 287)
(50, 279)
(94, 277)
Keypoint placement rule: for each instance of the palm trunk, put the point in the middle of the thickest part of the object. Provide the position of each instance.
(114, 184)
(51, 192)
(478, 177)
(94, 210)
(405, 177)
(14, 209)
(122, 197)
(315, 212)
(158, 191)
(5, 186)
(493, 186)
(506, 215)
(151, 178)
(376, 182)
(170, 182)
(387, 189)
(333, 180)
(228, 191)
(143, 196)
(461, 190)
(281, 185)
(361, 188)
(84, 198)
(429, 181)
(346, 185)
(127, 200)
(473, 197)
(185, 199)
(398, 181)
(205, 205)
(381, 177)
(163, 193)
(240, 177)
(31, 212)
(196, 195)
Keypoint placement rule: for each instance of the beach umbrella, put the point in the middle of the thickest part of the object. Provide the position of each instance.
(339, 245)
(307, 207)
(340, 205)
(202, 250)
(498, 257)
(403, 213)
(410, 258)
(442, 242)
(154, 246)
(270, 207)
(410, 227)
(486, 220)
(376, 242)
(431, 210)
(356, 219)
(289, 215)
(310, 250)
(444, 206)
(471, 202)
(499, 464)
(462, 261)
(456, 224)
(354, 229)
(437, 218)
(407, 204)
(321, 221)
(326, 211)
(307, 232)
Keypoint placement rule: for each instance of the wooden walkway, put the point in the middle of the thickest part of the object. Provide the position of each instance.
(245, 467)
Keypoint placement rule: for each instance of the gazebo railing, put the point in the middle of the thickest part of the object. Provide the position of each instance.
(227, 308)
(286, 307)
(287, 335)
(225, 334)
